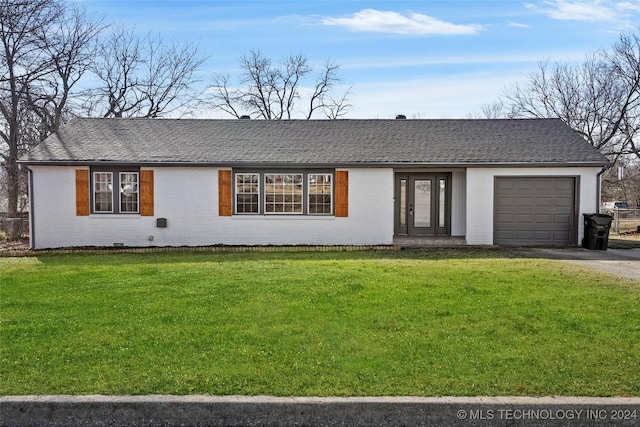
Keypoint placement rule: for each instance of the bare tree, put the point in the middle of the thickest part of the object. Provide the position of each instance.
(45, 50)
(272, 92)
(70, 44)
(142, 76)
(492, 110)
(622, 182)
(599, 98)
(624, 63)
(322, 99)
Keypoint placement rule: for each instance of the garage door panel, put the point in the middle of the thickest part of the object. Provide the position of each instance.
(525, 218)
(506, 218)
(544, 185)
(523, 234)
(505, 185)
(524, 184)
(524, 201)
(543, 235)
(543, 218)
(534, 210)
(566, 185)
(563, 201)
(505, 201)
(544, 201)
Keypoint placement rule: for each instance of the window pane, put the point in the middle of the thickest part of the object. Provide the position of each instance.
(403, 203)
(247, 193)
(129, 192)
(103, 192)
(422, 203)
(442, 200)
(283, 193)
(320, 194)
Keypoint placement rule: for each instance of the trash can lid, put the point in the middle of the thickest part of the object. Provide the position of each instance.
(599, 219)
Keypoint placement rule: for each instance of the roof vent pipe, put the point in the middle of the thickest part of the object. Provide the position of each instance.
(401, 117)
(245, 117)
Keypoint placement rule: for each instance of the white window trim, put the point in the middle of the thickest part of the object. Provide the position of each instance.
(137, 192)
(95, 191)
(293, 174)
(308, 193)
(235, 193)
(116, 199)
(305, 182)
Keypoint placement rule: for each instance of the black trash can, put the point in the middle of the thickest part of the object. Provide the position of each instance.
(596, 231)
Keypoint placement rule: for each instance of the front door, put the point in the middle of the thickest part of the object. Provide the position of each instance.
(422, 204)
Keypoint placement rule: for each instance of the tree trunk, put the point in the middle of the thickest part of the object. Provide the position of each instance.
(13, 192)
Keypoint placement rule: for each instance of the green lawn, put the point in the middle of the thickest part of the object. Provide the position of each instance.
(423, 323)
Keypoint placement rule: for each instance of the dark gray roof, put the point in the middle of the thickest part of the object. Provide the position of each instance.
(316, 143)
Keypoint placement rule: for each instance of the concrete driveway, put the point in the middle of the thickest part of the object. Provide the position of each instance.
(620, 262)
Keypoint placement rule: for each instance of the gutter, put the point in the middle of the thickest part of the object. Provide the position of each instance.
(284, 165)
(599, 187)
(32, 226)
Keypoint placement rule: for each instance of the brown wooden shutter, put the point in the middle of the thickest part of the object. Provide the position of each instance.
(146, 193)
(82, 192)
(224, 193)
(342, 194)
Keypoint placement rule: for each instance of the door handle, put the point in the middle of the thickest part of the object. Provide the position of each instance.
(410, 209)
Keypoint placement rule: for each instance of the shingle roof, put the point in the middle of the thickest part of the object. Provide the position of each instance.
(316, 142)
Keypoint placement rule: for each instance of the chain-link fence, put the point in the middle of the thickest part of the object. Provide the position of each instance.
(625, 221)
(13, 228)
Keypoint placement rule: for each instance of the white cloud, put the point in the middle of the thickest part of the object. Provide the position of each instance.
(577, 10)
(629, 6)
(390, 62)
(518, 25)
(448, 97)
(371, 20)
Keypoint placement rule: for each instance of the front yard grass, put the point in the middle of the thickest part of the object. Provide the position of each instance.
(458, 322)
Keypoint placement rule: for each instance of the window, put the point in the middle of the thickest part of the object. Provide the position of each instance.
(283, 193)
(288, 193)
(320, 194)
(103, 192)
(127, 197)
(247, 193)
(129, 192)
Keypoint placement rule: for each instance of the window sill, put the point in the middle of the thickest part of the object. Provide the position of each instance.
(284, 217)
(115, 216)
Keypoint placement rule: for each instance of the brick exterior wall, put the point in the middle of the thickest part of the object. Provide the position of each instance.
(188, 199)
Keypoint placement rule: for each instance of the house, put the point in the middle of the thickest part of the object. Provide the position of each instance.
(142, 182)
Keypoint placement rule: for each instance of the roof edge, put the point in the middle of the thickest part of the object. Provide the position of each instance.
(317, 165)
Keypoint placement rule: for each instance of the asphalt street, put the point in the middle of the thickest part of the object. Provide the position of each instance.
(44, 411)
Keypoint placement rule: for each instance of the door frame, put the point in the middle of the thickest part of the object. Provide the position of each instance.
(405, 228)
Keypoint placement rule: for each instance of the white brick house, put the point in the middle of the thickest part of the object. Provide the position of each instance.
(140, 182)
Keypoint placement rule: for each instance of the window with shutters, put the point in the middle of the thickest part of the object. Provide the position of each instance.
(304, 192)
(115, 191)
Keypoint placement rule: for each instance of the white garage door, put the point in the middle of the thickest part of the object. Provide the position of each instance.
(535, 211)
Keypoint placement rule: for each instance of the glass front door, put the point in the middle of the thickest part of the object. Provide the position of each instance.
(422, 204)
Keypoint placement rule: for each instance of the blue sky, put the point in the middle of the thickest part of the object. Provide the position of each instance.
(424, 59)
